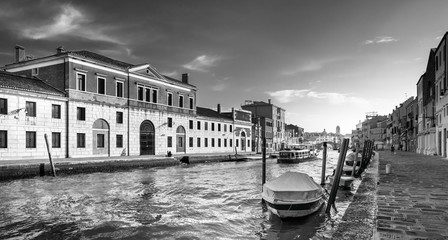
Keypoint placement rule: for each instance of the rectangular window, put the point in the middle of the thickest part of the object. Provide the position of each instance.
(181, 101)
(236, 143)
(230, 128)
(230, 142)
(191, 124)
(225, 127)
(219, 127)
(213, 126)
(191, 103)
(56, 111)
(119, 141)
(30, 139)
(34, 71)
(198, 142)
(80, 81)
(199, 125)
(56, 140)
(154, 96)
(213, 142)
(140, 93)
(205, 142)
(206, 125)
(3, 139)
(3, 106)
(248, 143)
(148, 94)
(170, 122)
(120, 117)
(219, 142)
(81, 140)
(100, 140)
(119, 89)
(31, 109)
(81, 113)
(101, 85)
(190, 142)
(225, 142)
(169, 141)
(170, 99)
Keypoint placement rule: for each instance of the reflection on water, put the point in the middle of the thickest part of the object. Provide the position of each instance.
(203, 201)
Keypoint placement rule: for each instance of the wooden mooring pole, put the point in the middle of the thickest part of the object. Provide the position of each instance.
(49, 156)
(337, 176)
(263, 176)
(324, 163)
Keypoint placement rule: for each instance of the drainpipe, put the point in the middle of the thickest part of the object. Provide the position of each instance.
(129, 106)
(67, 116)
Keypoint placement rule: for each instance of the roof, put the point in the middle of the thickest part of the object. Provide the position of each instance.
(18, 82)
(207, 112)
(104, 60)
(99, 58)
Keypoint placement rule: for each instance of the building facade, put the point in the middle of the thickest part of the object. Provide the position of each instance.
(441, 99)
(115, 108)
(268, 110)
(426, 109)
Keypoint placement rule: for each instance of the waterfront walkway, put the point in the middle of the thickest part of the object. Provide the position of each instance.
(412, 200)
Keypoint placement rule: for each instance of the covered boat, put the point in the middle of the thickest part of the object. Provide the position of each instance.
(293, 194)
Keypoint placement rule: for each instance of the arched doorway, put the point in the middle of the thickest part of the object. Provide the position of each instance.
(147, 138)
(100, 133)
(243, 141)
(180, 139)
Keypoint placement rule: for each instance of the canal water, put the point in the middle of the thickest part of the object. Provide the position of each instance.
(200, 201)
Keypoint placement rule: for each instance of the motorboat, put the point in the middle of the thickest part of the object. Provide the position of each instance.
(293, 194)
(344, 181)
(294, 155)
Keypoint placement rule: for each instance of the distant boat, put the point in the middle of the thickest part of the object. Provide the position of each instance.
(293, 194)
(295, 155)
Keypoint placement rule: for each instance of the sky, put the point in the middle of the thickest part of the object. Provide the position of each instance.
(327, 63)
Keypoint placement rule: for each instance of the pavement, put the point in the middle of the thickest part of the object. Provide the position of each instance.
(412, 200)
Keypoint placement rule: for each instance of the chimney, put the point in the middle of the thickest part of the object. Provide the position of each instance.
(185, 77)
(20, 54)
(218, 108)
(269, 101)
(60, 50)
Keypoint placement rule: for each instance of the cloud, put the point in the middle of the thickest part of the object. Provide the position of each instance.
(171, 74)
(220, 85)
(286, 96)
(311, 66)
(70, 21)
(381, 39)
(202, 63)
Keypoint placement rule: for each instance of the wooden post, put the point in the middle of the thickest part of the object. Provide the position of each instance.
(263, 176)
(337, 176)
(49, 156)
(324, 163)
(355, 162)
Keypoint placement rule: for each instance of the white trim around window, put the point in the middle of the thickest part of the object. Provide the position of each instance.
(116, 88)
(77, 82)
(98, 87)
(168, 94)
(181, 100)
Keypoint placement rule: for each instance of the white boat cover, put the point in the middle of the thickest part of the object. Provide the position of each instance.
(292, 187)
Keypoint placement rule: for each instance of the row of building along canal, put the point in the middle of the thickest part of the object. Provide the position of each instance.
(196, 201)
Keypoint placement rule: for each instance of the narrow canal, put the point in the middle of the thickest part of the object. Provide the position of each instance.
(201, 201)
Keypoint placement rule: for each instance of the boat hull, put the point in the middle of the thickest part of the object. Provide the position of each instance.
(294, 160)
(294, 210)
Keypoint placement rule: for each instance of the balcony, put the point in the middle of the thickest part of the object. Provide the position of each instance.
(159, 107)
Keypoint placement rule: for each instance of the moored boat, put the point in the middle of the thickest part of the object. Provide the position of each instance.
(294, 156)
(293, 194)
